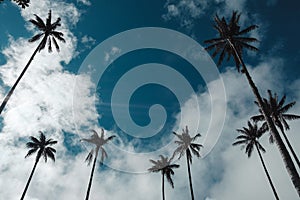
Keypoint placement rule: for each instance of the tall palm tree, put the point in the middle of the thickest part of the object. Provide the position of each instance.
(277, 111)
(49, 35)
(186, 146)
(166, 168)
(231, 42)
(98, 142)
(43, 148)
(22, 3)
(249, 137)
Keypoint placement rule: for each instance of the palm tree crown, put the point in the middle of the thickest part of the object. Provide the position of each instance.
(42, 146)
(99, 142)
(249, 137)
(186, 145)
(48, 31)
(165, 167)
(277, 110)
(22, 3)
(230, 34)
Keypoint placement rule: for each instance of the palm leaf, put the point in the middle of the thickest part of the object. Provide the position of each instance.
(89, 158)
(36, 37)
(30, 152)
(247, 30)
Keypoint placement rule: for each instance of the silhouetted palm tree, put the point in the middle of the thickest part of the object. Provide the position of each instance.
(43, 148)
(49, 35)
(22, 3)
(99, 142)
(231, 43)
(249, 137)
(186, 146)
(166, 168)
(277, 110)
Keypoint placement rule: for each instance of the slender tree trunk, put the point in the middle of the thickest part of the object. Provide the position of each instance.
(267, 173)
(291, 148)
(290, 167)
(30, 177)
(163, 186)
(91, 177)
(190, 177)
(19, 78)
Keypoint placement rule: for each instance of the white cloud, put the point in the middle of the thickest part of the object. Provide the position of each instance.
(85, 2)
(186, 11)
(88, 39)
(113, 52)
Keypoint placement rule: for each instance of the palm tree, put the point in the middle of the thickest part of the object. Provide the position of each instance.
(277, 111)
(49, 35)
(22, 3)
(186, 146)
(99, 142)
(249, 137)
(231, 42)
(43, 148)
(166, 168)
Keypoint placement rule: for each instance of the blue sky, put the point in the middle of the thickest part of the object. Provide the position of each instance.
(60, 98)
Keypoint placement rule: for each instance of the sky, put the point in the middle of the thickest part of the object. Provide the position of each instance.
(138, 69)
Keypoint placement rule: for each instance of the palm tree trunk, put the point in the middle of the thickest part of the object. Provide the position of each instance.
(91, 178)
(290, 167)
(190, 177)
(267, 173)
(291, 148)
(19, 78)
(163, 186)
(30, 177)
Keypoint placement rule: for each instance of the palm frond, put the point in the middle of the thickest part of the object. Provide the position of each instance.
(260, 147)
(89, 158)
(58, 35)
(288, 106)
(247, 30)
(55, 44)
(249, 149)
(49, 45)
(103, 155)
(31, 151)
(36, 37)
(48, 20)
(50, 153)
(110, 138)
(34, 140)
(239, 142)
(195, 151)
(42, 137)
(214, 40)
(258, 118)
(40, 23)
(42, 45)
(50, 142)
(32, 145)
(169, 179)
